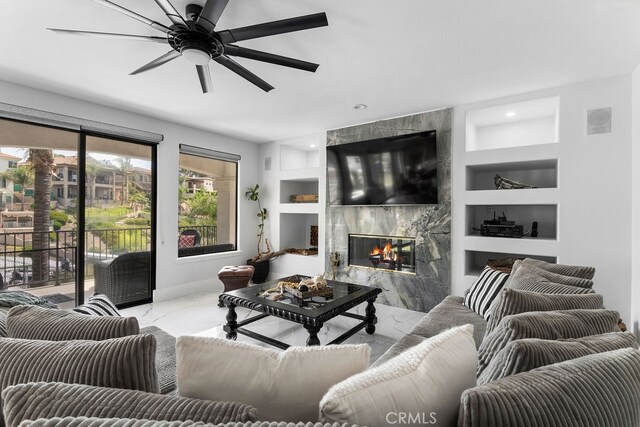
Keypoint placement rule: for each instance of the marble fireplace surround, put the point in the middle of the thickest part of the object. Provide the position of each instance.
(429, 224)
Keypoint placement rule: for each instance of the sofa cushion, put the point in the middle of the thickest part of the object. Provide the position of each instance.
(406, 342)
(48, 400)
(596, 390)
(281, 385)
(428, 377)
(545, 287)
(484, 290)
(548, 325)
(98, 305)
(165, 358)
(10, 299)
(528, 273)
(37, 323)
(449, 313)
(563, 269)
(127, 362)
(126, 422)
(513, 301)
(530, 353)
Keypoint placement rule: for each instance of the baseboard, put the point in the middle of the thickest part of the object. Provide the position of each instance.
(210, 285)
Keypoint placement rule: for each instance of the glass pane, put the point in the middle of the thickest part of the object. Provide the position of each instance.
(207, 205)
(38, 218)
(118, 231)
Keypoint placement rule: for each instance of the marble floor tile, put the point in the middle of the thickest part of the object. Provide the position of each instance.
(199, 314)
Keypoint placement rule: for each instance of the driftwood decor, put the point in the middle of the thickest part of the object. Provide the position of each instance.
(509, 184)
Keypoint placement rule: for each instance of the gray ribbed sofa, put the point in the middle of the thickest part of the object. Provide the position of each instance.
(596, 390)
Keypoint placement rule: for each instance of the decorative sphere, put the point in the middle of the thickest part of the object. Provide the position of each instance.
(303, 288)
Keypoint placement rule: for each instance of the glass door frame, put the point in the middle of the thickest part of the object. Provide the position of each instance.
(82, 190)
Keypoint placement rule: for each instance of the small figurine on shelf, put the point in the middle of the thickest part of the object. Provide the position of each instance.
(335, 263)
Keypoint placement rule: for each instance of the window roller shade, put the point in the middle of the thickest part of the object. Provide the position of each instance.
(210, 154)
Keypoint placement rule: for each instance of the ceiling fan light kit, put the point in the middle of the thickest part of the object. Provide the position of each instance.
(195, 39)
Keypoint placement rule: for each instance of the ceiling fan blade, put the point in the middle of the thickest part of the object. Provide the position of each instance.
(243, 72)
(205, 78)
(211, 13)
(171, 12)
(271, 58)
(169, 56)
(153, 24)
(274, 27)
(110, 35)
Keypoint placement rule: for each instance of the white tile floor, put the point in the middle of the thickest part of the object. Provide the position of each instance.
(199, 314)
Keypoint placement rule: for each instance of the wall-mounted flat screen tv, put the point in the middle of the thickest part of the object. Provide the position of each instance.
(398, 170)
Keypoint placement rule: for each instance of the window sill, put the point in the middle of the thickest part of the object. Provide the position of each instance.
(208, 257)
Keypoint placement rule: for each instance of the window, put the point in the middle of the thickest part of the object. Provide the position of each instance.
(12, 164)
(207, 201)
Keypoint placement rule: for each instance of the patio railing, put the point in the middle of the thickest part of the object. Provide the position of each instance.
(17, 253)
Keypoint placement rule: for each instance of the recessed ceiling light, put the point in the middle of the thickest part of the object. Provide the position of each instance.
(312, 145)
(360, 106)
(510, 114)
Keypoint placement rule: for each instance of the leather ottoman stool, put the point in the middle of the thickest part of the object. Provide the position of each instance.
(235, 277)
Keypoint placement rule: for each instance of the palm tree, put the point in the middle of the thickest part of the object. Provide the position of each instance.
(124, 167)
(92, 170)
(42, 164)
(22, 176)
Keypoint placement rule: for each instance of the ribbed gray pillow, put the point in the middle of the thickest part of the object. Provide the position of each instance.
(547, 325)
(550, 288)
(49, 400)
(528, 273)
(127, 362)
(563, 269)
(597, 390)
(120, 422)
(513, 301)
(530, 353)
(37, 323)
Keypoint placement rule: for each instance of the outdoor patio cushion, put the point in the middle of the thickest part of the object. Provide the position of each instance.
(49, 400)
(127, 362)
(596, 390)
(36, 323)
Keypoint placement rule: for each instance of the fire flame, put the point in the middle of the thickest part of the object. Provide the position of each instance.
(385, 251)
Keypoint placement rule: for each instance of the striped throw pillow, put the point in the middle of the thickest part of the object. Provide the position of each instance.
(484, 290)
(98, 305)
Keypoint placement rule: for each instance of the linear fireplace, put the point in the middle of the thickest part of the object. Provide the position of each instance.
(388, 253)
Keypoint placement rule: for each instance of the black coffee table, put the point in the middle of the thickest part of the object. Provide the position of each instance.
(312, 314)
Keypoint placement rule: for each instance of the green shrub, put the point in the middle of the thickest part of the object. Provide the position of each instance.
(57, 225)
(59, 216)
(137, 221)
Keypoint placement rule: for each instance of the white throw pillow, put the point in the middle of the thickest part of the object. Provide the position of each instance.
(281, 385)
(420, 386)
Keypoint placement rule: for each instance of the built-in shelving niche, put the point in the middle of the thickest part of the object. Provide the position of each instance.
(295, 230)
(475, 261)
(299, 156)
(291, 187)
(541, 173)
(525, 215)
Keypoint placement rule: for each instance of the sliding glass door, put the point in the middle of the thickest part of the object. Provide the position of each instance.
(119, 222)
(77, 215)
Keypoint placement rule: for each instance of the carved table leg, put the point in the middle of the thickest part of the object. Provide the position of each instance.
(220, 303)
(370, 317)
(313, 334)
(232, 325)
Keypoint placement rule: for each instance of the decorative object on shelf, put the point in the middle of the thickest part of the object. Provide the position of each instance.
(313, 239)
(304, 198)
(306, 252)
(504, 264)
(503, 183)
(534, 229)
(500, 227)
(260, 262)
(335, 263)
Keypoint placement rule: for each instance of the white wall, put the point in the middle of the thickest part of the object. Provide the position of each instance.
(175, 277)
(594, 182)
(635, 226)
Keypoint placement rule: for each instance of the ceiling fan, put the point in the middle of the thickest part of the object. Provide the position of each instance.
(196, 39)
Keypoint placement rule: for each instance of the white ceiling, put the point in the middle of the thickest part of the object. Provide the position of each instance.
(398, 57)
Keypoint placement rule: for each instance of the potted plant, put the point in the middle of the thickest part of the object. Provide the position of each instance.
(260, 262)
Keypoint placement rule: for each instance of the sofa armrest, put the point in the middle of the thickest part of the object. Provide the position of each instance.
(50, 400)
(600, 390)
